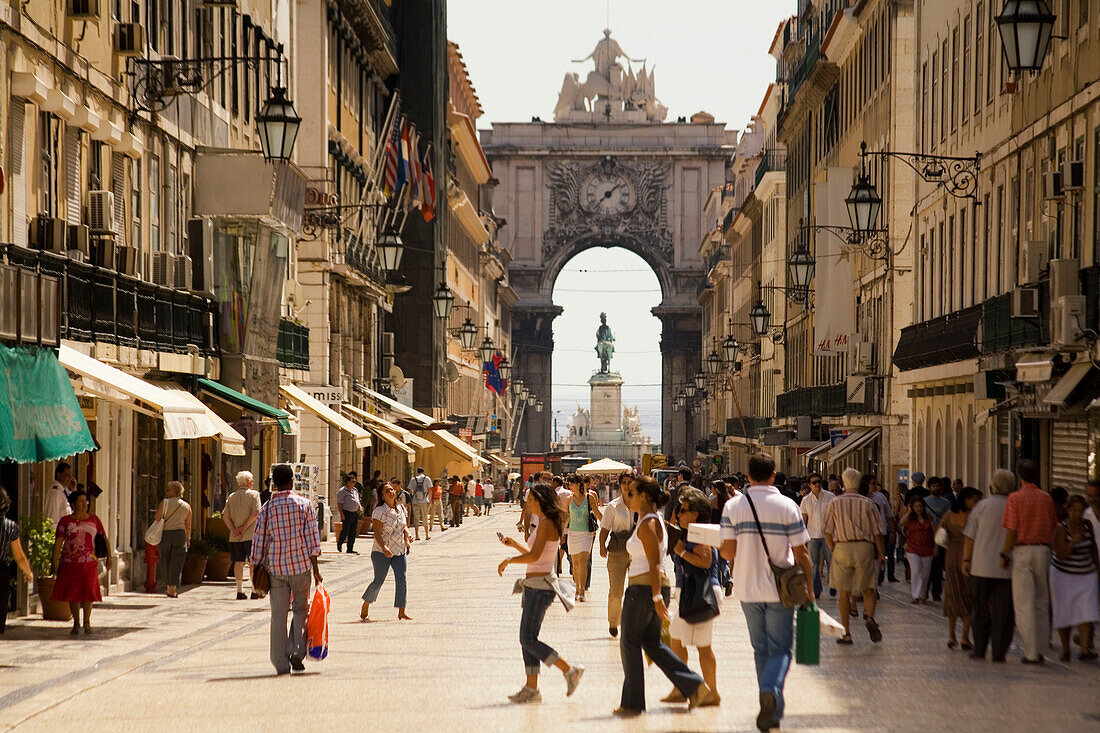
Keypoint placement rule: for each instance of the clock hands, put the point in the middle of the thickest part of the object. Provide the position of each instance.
(608, 192)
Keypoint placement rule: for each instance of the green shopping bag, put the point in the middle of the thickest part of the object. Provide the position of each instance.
(807, 646)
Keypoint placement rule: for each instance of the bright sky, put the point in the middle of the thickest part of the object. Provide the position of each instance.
(708, 55)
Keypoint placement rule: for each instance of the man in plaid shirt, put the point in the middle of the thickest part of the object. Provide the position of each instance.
(286, 540)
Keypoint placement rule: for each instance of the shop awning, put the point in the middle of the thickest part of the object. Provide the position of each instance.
(333, 418)
(403, 410)
(856, 439)
(232, 441)
(182, 418)
(410, 453)
(40, 418)
(1069, 381)
(456, 444)
(818, 449)
(374, 421)
(232, 396)
(497, 459)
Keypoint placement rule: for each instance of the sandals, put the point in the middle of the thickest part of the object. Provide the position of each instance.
(873, 630)
(845, 640)
(952, 644)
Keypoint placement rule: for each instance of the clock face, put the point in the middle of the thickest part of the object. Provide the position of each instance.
(609, 194)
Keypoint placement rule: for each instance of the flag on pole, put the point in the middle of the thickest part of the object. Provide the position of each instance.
(417, 191)
(427, 199)
(393, 153)
(493, 380)
(404, 171)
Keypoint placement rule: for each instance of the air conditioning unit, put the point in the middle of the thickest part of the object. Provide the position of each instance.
(1036, 254)
(78, 242)
(103, 252)
(1052, 186)
(101, 212)
(200, 245)
(1025, 303)
(82, 9)
(1065, 278)
(863, 357)
(1067, 321)
(1073, 175)
(49, 234)
(181, 272)
(126, 258)
(162, 269)
(129, 39)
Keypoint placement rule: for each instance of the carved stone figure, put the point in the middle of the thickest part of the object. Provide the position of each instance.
(632, 423)
(581, 421)
(605, 344)
(609, 91)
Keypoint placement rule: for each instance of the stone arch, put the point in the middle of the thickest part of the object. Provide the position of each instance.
(656, 260)
(919, 448)
(959, 469)
(937, 448)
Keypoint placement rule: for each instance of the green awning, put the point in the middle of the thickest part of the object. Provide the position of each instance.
(248, 403)
(40, 418)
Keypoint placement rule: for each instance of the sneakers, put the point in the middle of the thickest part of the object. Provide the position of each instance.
(526, 695)
(766, 720)
(874, 631)
(572, 679)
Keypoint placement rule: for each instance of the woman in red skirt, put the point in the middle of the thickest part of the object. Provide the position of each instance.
(78, 570)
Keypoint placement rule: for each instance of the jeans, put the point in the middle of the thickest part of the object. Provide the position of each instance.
(283, 646)
(992, 617)
(771, 633)
(891, 539)
(642, 630)
(535, 605)
(348, 530)
(819, 557)
(173, 544)
(382, 565)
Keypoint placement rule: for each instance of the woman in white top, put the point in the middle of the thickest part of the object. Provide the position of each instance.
(176, 536)
(539, 591)
(391, 548)
(645, 604)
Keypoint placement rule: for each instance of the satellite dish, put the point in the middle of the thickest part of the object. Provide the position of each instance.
(450, 372)
(397, 377)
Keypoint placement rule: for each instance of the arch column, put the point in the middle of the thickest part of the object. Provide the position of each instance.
(533, 346)
(681, 356)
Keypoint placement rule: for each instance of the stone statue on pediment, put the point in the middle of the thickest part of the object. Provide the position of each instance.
(610, 91)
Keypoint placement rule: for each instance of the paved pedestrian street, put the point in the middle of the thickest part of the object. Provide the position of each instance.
(151, 661)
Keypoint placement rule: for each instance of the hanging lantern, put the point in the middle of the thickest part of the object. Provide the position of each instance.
(1025, 27)
(863, 201)
(538, 406)
(277, 126)
(443, 302)
(486, 350)
(713, 363)
(505, 369)
(700, 380)
(760, 317)
(390, 250)
(690, 389)
(802, 268)
(517, 387)
(730, 347)
(468, 333)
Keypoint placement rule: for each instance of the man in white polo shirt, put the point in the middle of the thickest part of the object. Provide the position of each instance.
(813, 514)
(771, 624)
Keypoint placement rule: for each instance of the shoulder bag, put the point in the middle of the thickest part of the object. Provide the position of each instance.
(261, 577)
(697, 600)
(156, 530)
(789, 581)
(593, 524)
(101, 550)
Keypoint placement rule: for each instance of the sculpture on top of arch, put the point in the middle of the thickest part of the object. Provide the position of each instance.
(609, 93)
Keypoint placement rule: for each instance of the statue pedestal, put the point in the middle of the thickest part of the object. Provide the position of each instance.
(606, 402)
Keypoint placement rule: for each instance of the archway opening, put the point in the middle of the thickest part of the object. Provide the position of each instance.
(615, 281)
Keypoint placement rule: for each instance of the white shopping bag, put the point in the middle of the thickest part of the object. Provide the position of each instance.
(829, 625)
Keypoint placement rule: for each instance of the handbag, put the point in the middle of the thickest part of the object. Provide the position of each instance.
(155, 532)
(941, 537)
(101, 545)
(697, 600)
(261, 578)
(593, 524)
(789, 581)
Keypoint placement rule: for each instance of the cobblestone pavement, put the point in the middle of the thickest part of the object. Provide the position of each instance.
(200, 663)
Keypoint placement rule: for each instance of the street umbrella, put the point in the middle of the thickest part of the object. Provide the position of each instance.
(604, 465)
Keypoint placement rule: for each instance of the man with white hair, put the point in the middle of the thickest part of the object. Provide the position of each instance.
(239, 514)
(851, 528)
(992, 616)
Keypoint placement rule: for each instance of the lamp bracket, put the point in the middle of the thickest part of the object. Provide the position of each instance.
(874, 244)
(957, 175)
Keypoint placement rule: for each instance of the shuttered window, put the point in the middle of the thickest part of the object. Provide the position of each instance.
(17, 172)
(73, 193)
(1069, 454)
(118, 188)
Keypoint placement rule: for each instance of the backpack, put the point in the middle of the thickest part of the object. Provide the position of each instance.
(420, 492)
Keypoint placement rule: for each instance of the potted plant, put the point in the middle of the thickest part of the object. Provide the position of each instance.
(215, 527)
(40, 535)
(194, 564)
(219, 564)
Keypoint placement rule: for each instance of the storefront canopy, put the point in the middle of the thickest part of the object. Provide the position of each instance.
(1060, 393)
(856, 439)
(183, 419)
(604, 465)
(451, 441)
(333, 418)
(376, 423)
(403, 410)
(40, 418)
(245, 402)
(232, 441)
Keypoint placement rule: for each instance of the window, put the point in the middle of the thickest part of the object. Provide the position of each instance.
(998, 249)
(954, 77)
(935, 99)
(941, 264)
(989, 51)
(135, 203)
(1096, 196)
(49, 132)
(1012, 247)
(1029, 202)
(924, 106)
(954, 276)
(985, 245)
(154, 204)
(966, 247)
(1083, 12)
(964, 72)
(944, 62)
(979, 35)
(922, 255)
(152, 16)
(172, 209)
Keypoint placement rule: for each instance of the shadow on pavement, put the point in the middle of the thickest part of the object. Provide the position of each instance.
(251, 677)
(60, 632)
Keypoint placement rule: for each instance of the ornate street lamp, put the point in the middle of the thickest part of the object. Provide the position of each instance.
(761, 318)
(802, 267)
(863, 202)
(517, 387)
(689, 390)
(529, 398)
(486, 350)
(468, 333)
(700, 380)
(713, 363)
(538, 406)
(730, 347)
(443, 302)
(505, 369)
(390, 249)
(681, 398)
(277, 125)
(1025, 27)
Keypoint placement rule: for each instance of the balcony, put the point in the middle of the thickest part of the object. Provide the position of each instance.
(773, 160)
(292, 351)
(831, 400)
(747, 427)
(98, 304)
(721, 253)
(727, 220)
(1002, 332)
(942, 340)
